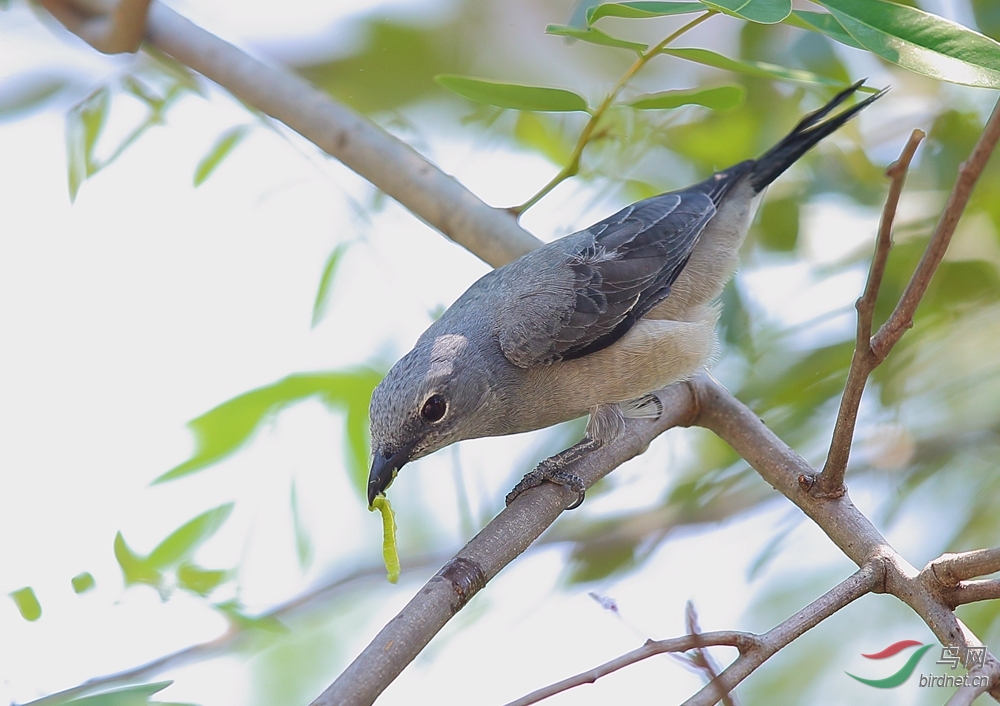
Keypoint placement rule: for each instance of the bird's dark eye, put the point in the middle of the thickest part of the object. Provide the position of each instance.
(434, 408)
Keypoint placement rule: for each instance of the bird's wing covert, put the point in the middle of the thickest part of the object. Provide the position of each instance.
(614, 277)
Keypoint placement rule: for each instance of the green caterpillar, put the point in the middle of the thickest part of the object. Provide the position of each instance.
(389, 553)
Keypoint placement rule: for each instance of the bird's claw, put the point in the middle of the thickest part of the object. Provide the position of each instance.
(549, 472)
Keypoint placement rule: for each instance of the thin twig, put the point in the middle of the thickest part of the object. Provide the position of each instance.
(831, 480)
(724, 638)
(701, 659)
(867, 579)
(870, 352)
(975, 591)
(949, 569)
(754, 649)
(587, 134)
(968, 174)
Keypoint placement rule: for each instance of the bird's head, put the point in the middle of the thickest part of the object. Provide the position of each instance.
(427, 401)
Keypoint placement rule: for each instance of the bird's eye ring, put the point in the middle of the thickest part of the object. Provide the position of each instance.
(434, 408)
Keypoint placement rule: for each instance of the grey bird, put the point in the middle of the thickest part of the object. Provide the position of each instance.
(590, 323)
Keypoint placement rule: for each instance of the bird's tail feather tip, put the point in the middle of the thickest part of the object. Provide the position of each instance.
(809, 131)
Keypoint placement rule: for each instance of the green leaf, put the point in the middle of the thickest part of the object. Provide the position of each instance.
(135, 568)
(759, 69)
(921, 42)
(303, 544)
(717, 98)
(84, 124)
(766, 12)
(325, 282)
(642, 9)
(513, 96)
(221, 431)
(136, 88)
(595, 36)
(185, 539)
(27, 603)
(83, 582)
(220, 150)
(192, 577)
(822, 22)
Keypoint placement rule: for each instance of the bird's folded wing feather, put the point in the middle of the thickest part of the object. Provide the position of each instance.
(616, 272)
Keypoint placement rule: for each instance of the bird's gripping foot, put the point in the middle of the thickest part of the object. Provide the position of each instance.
(606, 423)
(553, 470)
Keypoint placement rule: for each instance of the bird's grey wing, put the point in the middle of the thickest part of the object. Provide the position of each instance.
(616, 271)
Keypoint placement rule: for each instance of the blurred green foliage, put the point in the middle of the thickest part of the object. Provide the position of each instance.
(27, 603)
(174, 553)
(83, 582)
(938, 393)
(221, 431)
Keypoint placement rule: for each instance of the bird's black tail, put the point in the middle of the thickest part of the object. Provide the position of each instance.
(810, 130)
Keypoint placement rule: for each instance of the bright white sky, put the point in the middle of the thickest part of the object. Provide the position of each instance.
(147, 302)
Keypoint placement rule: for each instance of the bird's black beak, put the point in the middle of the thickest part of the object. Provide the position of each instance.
(385, 466)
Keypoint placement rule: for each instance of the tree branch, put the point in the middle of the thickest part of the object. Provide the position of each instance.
(831, 480)
(391, 165)
(729, 638)
(110, 26)
(754, 649)
(950, 569)
(865, 580)
(702, 660)
(843, 523)
(870, 352)
(968, 174)
(974, 591)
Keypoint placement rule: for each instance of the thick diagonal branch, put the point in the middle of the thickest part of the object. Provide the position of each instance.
(391, 165)
(110, 26)
(438, 199)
